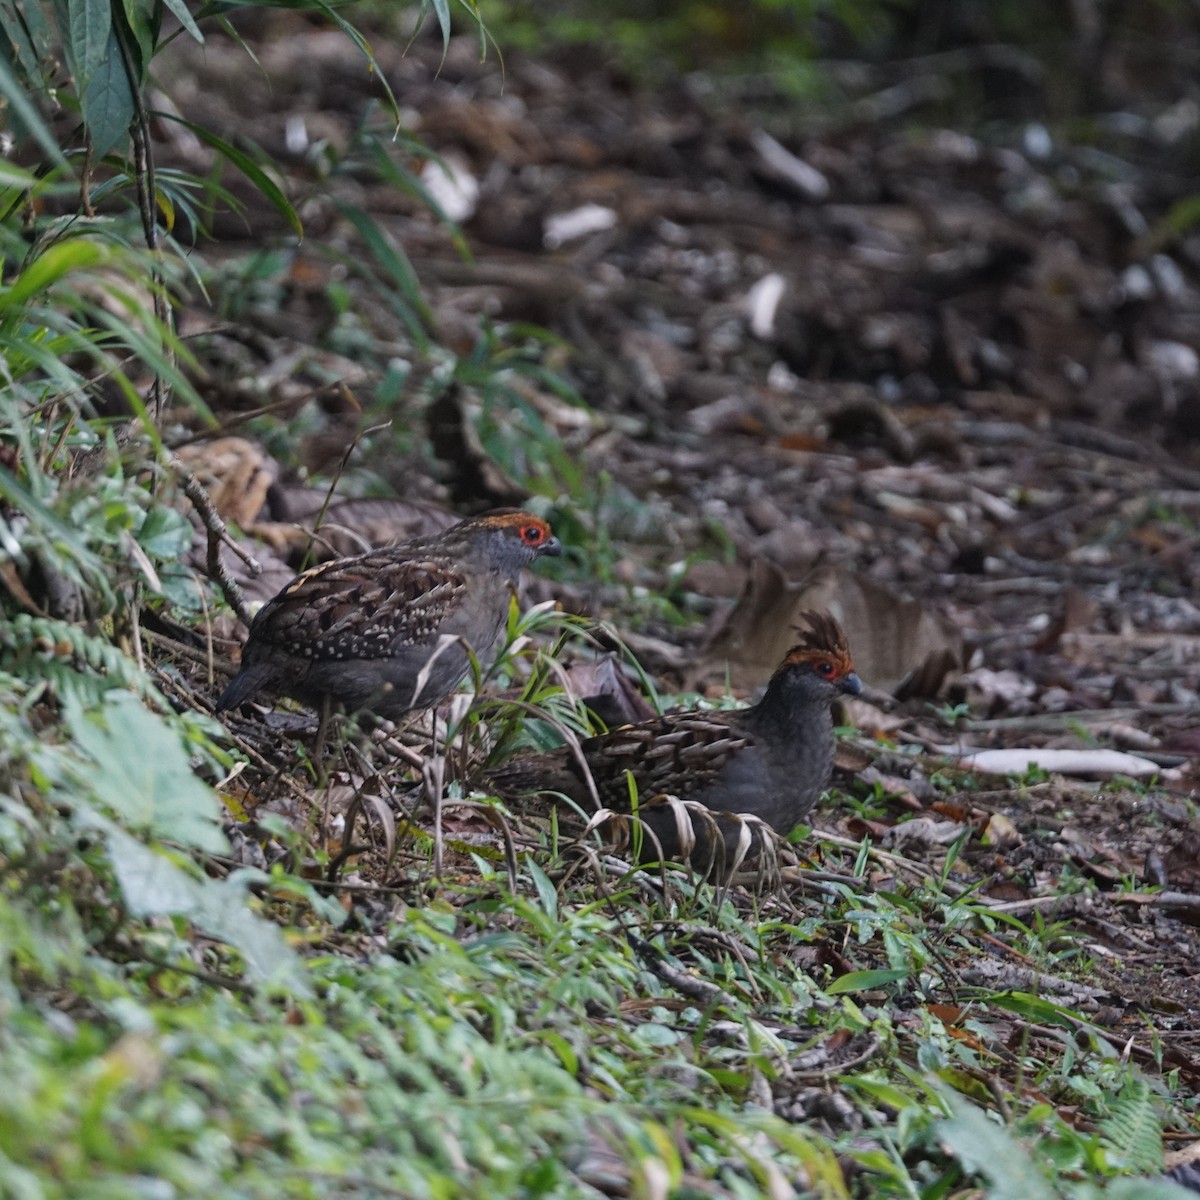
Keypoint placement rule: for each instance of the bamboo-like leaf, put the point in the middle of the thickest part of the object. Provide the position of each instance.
(142, 19)
(363, 45)
(17, 42)
(395, 262)
(442, 10)
(49, 267)
(248, 167)
(862, 981)
(26, 118)
(108, 99)
(179, 8)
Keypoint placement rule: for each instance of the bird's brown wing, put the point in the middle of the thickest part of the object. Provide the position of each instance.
(680, 753)
(365, 607)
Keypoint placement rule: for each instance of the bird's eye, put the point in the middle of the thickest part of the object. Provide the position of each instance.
(531, 535)
(825, 668)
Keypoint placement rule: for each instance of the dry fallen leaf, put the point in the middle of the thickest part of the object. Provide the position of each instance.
(236, 473)
(898, 644)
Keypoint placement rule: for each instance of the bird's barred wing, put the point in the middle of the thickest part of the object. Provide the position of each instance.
(680, 753)
(366, 607)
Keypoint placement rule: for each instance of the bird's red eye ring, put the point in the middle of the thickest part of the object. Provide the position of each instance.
(825, 667)
(531, 535)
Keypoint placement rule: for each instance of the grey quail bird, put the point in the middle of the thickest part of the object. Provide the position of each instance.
(387, 631)
(772, 759)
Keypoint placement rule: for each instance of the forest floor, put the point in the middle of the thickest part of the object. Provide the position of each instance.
(944, 383)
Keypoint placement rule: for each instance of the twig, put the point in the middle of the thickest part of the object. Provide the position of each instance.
(691, 986)
(1084, 716)
(1168, 900)
(217, 533)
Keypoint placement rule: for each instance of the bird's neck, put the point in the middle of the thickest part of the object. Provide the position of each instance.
(788, 718)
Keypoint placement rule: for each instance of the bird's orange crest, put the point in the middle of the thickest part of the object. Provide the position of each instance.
(823, 645)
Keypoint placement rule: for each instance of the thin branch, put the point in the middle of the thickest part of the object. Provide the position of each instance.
(217, 533)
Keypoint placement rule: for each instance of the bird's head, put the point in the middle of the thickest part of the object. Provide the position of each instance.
(819, 664)
(514, 538)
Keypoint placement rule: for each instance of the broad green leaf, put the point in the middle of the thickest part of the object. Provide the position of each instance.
(863, 981)
(89, 24)
(987, 1149)
(143, 775)
(165, 533)
(108, 99)
(153, 886)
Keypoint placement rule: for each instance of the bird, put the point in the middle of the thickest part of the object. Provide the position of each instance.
(387, 632)
(771, 760)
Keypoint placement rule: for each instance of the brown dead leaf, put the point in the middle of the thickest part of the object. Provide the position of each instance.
(898, 644)
(1182, 862)
(607, 691)
(1075, 612)
(355, 526)
(867, 718)
(236, 473)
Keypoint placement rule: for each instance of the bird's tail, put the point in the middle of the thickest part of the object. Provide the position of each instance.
(246, 684)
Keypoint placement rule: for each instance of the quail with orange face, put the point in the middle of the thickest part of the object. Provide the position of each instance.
(388, 631)
(772, 760)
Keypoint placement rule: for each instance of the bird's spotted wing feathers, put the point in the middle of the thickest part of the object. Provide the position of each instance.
(360, 608)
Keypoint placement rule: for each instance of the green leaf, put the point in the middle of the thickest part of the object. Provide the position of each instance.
(1146, 1189)
(987, 1149)
(26, 118)
(73, 254)
(395, 263)
(179, 8)
(18, 47)
(142, 20)
(547, 892)
(89, 26)
(108, 99)
(442, 9)
(248, 167)
(165, 533)
(142, 774)
(1132, 1130)
(863, 981)
(364, 46)
(153, 886)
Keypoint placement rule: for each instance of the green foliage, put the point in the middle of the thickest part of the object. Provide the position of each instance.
(779, 33)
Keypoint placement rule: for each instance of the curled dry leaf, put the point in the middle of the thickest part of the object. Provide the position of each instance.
(898, 644)
(606, 690)
(236, 473)
(352, 527)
